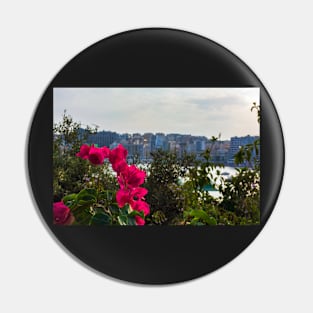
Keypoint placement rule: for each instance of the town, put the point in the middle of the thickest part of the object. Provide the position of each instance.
(140, 146)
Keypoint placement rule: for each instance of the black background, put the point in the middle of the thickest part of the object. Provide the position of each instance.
(155, 58)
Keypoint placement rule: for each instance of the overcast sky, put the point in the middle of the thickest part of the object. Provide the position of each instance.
(195, 111)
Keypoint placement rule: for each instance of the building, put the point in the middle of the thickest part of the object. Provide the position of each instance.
(160, 141)
(235, 144)
(103, 138)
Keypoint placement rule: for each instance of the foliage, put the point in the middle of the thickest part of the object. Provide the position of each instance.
(241, 195)
(258, 110)
(92, 207)
(165, 193)
(69, 172)
(191, 203)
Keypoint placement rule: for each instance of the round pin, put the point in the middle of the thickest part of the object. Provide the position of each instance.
(155, 156)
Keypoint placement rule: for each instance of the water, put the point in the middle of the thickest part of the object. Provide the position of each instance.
(226, 172)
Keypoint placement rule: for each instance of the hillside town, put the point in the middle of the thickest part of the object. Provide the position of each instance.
(140, 146)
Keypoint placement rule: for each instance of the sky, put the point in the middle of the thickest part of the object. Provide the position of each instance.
(196, 111)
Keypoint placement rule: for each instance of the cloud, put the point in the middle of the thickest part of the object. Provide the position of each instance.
(197, 111)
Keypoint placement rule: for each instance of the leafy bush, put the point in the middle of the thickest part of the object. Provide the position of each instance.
(165, 196)
(69, 172)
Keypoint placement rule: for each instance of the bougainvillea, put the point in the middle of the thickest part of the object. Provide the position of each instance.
(62, 214)
(84, 152)
(129, 179)
(94, 154)
(129, 198)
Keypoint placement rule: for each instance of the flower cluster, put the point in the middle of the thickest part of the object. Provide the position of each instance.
(129, 177)
(94, 154)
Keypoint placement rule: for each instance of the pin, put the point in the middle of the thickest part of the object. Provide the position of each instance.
(155, 156)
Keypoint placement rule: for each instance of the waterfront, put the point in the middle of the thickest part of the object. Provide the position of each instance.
(225, 172)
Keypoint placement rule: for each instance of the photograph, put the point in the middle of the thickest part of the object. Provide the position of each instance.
(156, 156)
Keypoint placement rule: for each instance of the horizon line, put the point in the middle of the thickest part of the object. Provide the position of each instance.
(171, 133)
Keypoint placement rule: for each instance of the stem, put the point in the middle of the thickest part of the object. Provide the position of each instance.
(98, 188)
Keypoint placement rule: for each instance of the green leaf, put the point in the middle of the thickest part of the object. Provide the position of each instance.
(131, 221)
(124, 210)
(122, 219)
(114, 208)
(101, 219)
(87, 195)
(202, 215)
(108, 195)
(211, 221)
(80, 205)
(82, 215)
(199, 214)
(134, 213)
(194, 221)
(69, 199)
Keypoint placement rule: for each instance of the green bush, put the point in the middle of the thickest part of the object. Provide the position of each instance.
(166, 197)
(70, 173)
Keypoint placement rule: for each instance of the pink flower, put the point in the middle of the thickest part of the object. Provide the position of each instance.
(141, 206)
(124, 196)
(139, 220)
(120, 167)
(84, 152)
(62, 214)
(118, 154)
(96, 155)
(138, 193)
(132, 177)
(106, 151)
